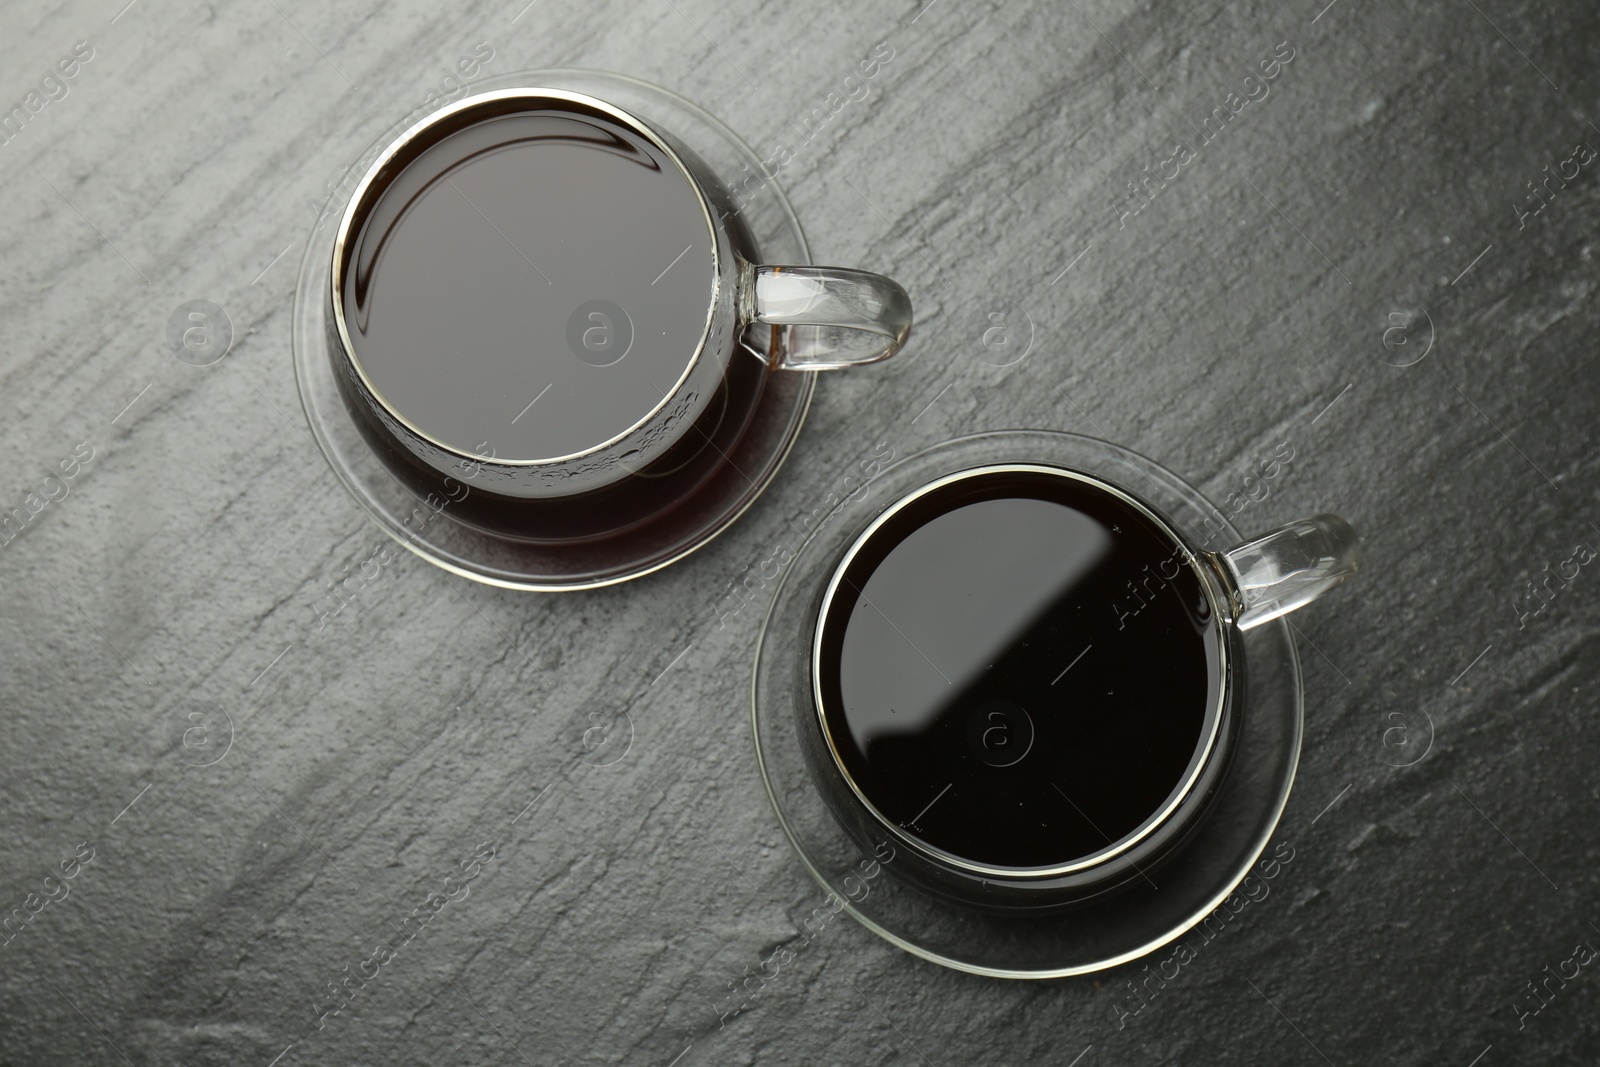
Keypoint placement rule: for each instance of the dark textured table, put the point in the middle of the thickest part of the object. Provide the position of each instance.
(218, 795)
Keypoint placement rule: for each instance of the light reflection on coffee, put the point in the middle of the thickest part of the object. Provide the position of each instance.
(982, 693)
(465, 280)
(528, 281)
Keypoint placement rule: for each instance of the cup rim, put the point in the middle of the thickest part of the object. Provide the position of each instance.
(1204, 752)
(357, 206)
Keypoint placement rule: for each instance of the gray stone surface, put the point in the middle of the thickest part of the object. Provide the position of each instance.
(175, 587)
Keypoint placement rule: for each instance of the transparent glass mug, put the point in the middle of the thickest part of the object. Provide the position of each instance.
(958, 714)
(632, 422)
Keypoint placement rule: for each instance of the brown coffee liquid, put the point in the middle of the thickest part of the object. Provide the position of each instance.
(1018, 669)
(535, 283)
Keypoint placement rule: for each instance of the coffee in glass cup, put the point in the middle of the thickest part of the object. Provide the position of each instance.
(538, 292)
(1031, 679)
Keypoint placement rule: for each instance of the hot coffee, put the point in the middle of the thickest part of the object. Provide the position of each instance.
(1019, 658)
(536, 293)
(531, 285)
(1020, 671)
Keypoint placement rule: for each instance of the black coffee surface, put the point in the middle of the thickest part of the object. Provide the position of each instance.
(547, 257)
(1018, 669)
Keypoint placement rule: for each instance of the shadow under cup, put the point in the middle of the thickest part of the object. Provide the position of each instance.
(533, 321)
(1026, 676)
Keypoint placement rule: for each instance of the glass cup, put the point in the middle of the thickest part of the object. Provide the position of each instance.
(979, 723)
(606, 395)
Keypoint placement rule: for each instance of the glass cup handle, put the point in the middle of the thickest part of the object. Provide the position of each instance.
(849, 317)
(1289, 567)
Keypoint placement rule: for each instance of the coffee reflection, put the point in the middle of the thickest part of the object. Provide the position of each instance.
(464, 282)
(983, 697)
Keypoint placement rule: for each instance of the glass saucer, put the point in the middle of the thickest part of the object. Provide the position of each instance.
(512, 563)
(1094, 936)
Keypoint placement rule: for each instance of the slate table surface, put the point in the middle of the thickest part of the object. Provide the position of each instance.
(248, 796)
